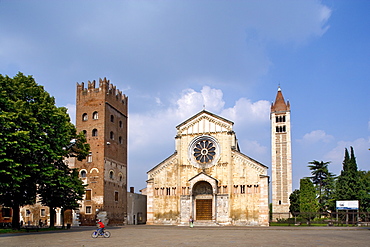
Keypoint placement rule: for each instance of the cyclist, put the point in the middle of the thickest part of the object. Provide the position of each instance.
(101, 226)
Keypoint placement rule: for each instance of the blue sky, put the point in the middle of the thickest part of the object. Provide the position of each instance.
(172, 57)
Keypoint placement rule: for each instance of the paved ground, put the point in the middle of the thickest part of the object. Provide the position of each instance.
(199, 236)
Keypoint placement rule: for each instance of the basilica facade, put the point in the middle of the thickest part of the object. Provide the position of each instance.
(207, 178)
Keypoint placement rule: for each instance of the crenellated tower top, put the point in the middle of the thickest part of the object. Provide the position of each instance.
(106, 90)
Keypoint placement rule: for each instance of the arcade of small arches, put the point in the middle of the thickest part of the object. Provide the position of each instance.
(83, 173)
(236, 189)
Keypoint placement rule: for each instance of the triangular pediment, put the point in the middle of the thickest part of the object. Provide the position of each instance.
(202, 177)
(204, 122)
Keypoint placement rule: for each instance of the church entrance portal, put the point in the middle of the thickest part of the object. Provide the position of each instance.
(203, 209)
(202, 193)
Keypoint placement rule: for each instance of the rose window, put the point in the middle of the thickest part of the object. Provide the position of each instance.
(204, 151)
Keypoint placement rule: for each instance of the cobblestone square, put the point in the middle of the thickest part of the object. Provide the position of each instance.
(144, 235)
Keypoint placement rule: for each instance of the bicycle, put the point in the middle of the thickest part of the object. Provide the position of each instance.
(103, 233)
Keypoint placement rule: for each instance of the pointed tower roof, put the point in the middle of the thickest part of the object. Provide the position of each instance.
(279, 104)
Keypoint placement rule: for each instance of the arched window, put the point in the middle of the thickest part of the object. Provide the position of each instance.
(84, 117)
(112, 118)
(112, 135)
(111, 174)
(95, 115)
(94, 132)
(83, 174)
(85, 132)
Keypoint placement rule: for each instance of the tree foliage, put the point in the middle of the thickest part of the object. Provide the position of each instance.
(34, 134)
(294, 207)
(324, 183)
(364, 177)
(308, 204)
(348, 186)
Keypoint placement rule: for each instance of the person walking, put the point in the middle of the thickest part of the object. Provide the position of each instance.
(191, 222)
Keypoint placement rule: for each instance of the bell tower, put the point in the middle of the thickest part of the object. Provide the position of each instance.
(281, 157)
(101, 113)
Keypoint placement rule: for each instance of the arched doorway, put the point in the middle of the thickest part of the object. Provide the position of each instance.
(203, 196)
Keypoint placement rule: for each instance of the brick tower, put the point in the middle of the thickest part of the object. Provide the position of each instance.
(281, 157)
(101, 113)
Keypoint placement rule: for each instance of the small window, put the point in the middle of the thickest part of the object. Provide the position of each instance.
(43, 212)
(95, 115)
(84, 117)
(112, 118)
(85, 133)
(111, 174)
(111, 135)
(88, 210)
(88, 195)
(242, 189)
(120, 139)
(94, 132)
(89, 157)
(116, 196)
(120, 178)
(120, 124)
(83, 174)
(6, 212)
(279, 202)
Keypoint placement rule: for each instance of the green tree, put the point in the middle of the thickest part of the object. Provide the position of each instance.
(294, 207)
(33, 135)
(348, 185)
(364, 177)
(308, 205)
(62, 186)
(323, 181)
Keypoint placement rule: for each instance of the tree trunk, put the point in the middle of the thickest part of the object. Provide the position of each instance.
(52, 217)
(15, 218)
(62, 217)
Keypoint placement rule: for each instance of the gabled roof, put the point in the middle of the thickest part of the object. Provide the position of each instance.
(279, 104)
(164, 161)
(205, 113)
(202, 174)
(249, 158)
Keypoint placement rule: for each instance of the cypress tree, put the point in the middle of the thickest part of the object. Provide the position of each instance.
(348, 183)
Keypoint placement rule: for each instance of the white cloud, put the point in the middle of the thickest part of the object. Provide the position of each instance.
(72, 112)
(253, 149)
(316, 136)
(247, 112)
(160, 125)
(361, 149)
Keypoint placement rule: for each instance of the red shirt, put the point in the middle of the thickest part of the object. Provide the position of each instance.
(101, 225)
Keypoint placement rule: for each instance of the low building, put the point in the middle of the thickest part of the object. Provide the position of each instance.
(136, 208)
